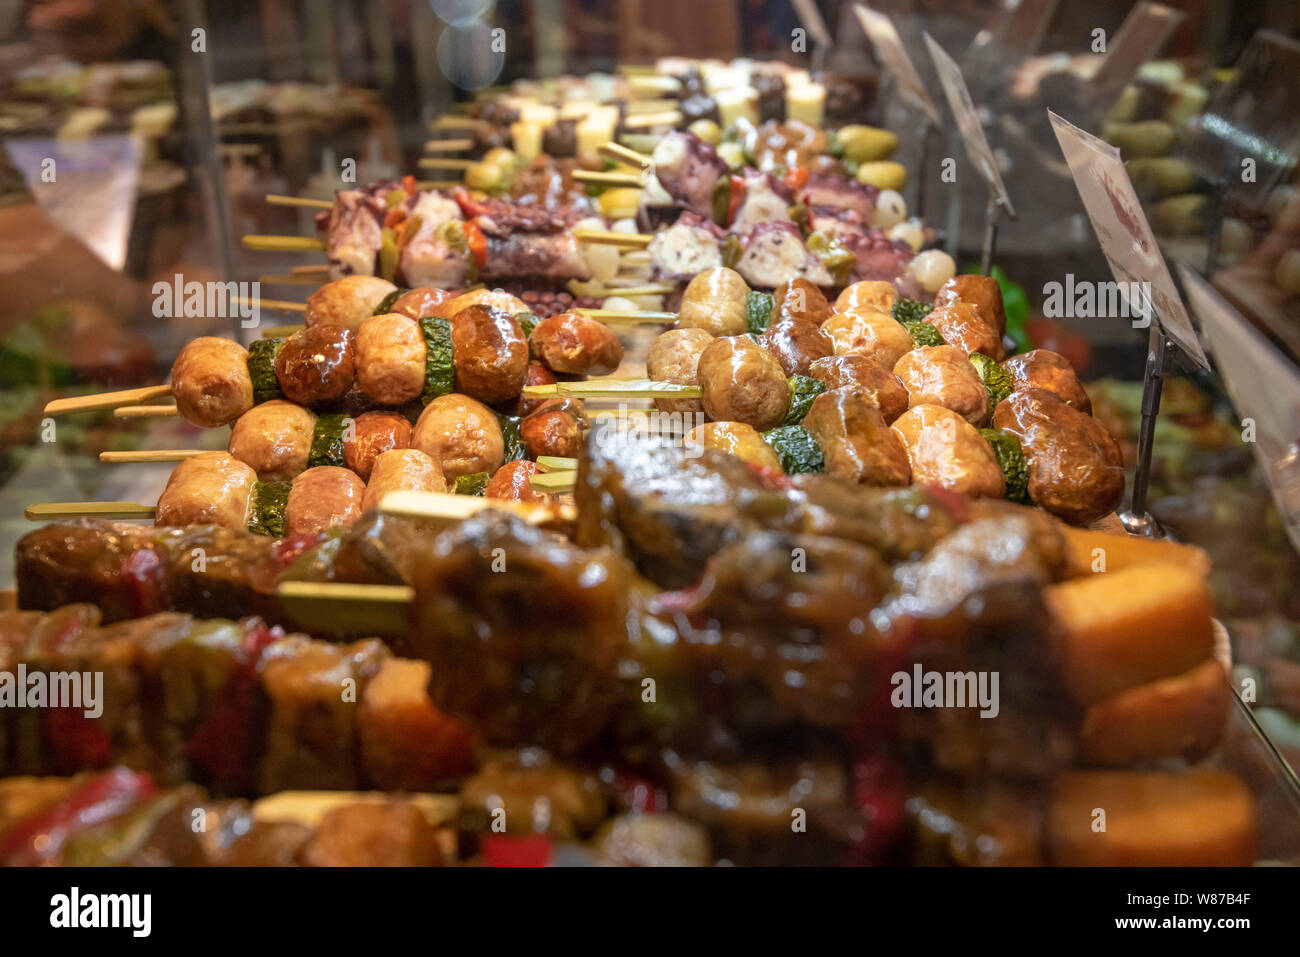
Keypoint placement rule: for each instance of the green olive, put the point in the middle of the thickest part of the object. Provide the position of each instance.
(1147, 138)
(865, 144)
(484, 176)
(707, 130)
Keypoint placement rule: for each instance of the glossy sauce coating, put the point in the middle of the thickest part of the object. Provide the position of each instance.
(576, 345)
(964, 326)
(856, 442)
(370, 436)
(982, 292)
(322, 498)
(883, 387)
(1044, 369)
(715, 301)
(945, 450)
(347, 302)
(422, 301)
(876, 335)
(802, 300)
(390, 353)
(274, 439)
(207, 489)
(557, 427)
(869, 295)
(512, 483)
(316, 364)
(490, 353)
(210, 381)
(796, 344)
(743, 382)
(461, 434)
(402, 470)
(675, 357)
(943, 375)
(738, 439)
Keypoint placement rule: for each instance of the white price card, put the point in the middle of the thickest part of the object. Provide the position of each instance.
(1124, 233)
(889, 47)
(968, 121)
(1265, 390)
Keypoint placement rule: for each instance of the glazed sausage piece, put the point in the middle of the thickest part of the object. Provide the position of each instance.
(370, 436)
(715, 301)
(207, 489)
(490, 352)
(210, 381)
(964, 326)
(1050, 371)
(496, 298)
(390, 353)
(557, 427)
(743, 382)
(461, 434)
(317, 364)
(675, 357)
(738, 439)
(346, 303)
(796, 344)
(1076, 470)
(943, 375)
(575, 345)
(801, 300)
(402, 470)
(323, 498)
(869, 295)
(512, 483)
(983, 292)
(876, 335)
(856, 442)
(422, 301)
(879, 383)
(537, 374)
(274, 439)
(946, 450)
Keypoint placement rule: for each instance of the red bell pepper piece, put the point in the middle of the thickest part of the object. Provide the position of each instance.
(737, 197)
(142, 579)
(77, 742)
(508, 850)
(796, 178)
(39, 839)
(476, 242)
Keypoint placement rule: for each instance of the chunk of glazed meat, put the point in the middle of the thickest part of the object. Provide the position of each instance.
(1076, 470)
(1050, 371)
(576, 345)
(371, 435)
(462, 435)
(876, 335)
(390, 354)
(211, 488)
(796, 344)
(964, 326)
(513, 483)
(738, 439)
(402, 470)
(857, 443)
(210, 381)
(946, 450)
(870, 295)
(943, 375)
(675, 357)
(983, 292)
(317, 364)
(557, 427)
(537, 374)
(348, 302)
(491, 353)
(274, 439)
(422, 302)
(715, 302)
(323, 498)
(537, 794)
(802, 300)
(742, 382)
(864, 375)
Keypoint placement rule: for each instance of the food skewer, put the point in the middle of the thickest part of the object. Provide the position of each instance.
(437, 163)
(278, 200)
(282, 244)
(448, 146)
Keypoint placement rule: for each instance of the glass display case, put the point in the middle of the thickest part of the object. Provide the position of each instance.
(264, 262)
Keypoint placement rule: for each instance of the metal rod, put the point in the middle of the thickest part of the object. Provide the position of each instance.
(991, 212)
(923, 173)
(1137, 520)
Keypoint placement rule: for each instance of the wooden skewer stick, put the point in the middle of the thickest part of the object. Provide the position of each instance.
(556, 463)
(54, 511)
(283, 244)
(647, 120)
(145, 411)
(280, 332)
(618, 151)
(277, 200)
(454, 507)
(611, 316)
(614, 389)
(436, 163)
(148, 455)
(459, 123)
(106, 400)
(653, 289)
(654, 83)
(448, 146)
(310, 271)
(660, 105)
(438, 184)
(340, 608)
(641, 142)
(554, 483)
(285, 279)
(277, 305)
(609, 178)
(605, 237)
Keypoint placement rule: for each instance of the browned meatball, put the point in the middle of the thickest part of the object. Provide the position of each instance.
(876, 335)
(390, 353)
(274, 439)
(946, 450)
(576, 345)
(715, 301)
(557, 427)
(347, 302)
(513, 483)
(401, 470)
(1044, 369)
(537, 374)
(491, 353)
(796, 344)
(964, 326)
(865, 375)
(463, 436)
(738, 439)
(675, 357)
(421, 302)
(801, 300)
(207, 489)
(857, 443)
(982, 292)
(322, 498)
(370, 436)
(943, 375)
(868, 295)
(742, 382)
(210, 381)
(1076, 470)
(316, 364)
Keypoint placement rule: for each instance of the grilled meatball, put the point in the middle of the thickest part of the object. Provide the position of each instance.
(946, 450)
(390, 353)
(869, 295)
(982, 292)
(675, 357)
(402, 470)
(462, 435)
(856, 442)
(802, 300)
(1051, 371)
(316, 364)
(537, 374)
(796, 344)
(274, 439)
(421, 302)
(210, 381)
(886, 392)
(322, 498)
(738, 439)
(876, 335)
(510, 305)
(576, 345)
(1076, 470)
(743, 382)
(715, 301)
(491, 353)
(964, 326)
(348, 302)
(556, 427)
(943, 375)
(537, 795)
(207, 489)
(512, 483)
(370, 436)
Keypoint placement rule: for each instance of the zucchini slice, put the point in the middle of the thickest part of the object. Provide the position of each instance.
(261, 369)
(327, 441)
(758, 311)
(439, 361)
(514, 445)
(266, 508)
(528, 322)
(386, 304)
(473, 484)
(795, 446)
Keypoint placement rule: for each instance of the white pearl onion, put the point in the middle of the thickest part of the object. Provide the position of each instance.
(932, 269)
(908, 231)
(891, 209)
